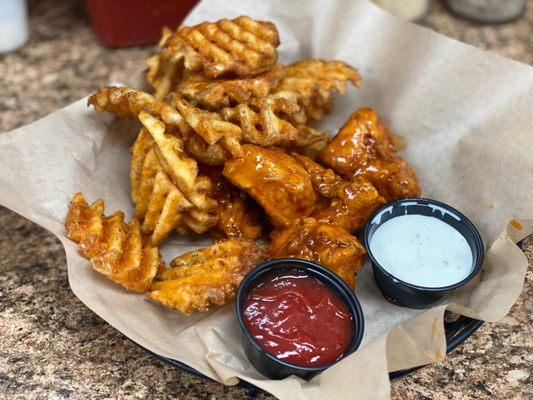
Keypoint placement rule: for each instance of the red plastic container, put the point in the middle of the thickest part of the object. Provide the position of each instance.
(124, 23)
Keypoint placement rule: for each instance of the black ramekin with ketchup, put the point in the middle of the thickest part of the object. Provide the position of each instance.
(297, 317)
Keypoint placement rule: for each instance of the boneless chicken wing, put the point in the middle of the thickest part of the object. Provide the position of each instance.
(344, 203)
(328, 245)
(366, 147)
(275, 180)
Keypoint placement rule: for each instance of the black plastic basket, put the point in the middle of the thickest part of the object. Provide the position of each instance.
(457, 330)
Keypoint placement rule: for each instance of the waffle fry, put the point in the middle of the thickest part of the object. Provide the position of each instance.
(200, 150)
(159, 204)
(207, 277)
(162, 71)
(210, 126)
(313, 81)
(261, 122)
(182, 172)
(218, 93)
(115, 249)
(241, 46)
(126, 102)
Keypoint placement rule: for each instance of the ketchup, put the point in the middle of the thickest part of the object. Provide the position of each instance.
(298, 319)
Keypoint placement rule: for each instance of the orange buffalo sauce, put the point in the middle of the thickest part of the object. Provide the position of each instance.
(298, 319)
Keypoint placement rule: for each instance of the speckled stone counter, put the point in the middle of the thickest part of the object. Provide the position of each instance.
(52, 346)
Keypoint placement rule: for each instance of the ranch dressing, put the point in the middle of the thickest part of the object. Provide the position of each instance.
(422, 250)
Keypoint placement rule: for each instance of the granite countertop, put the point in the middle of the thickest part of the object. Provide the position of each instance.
(53, 346)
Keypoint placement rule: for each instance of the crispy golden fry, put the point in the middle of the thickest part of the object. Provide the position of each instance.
(348, 204)
(328, 245)
(210, 126)
(162, 71)
(218, 93)
(313, 81)
(116, 249)
(206, 277)
(126, 102)
(183, 173)
(262, 122)
(241, 46)
(365, 147)
(200, 150)
(182, 169)
(276, 180)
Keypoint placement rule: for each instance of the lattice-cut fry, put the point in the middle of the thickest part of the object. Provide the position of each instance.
(210, 126)
(84, 223)
(314, 80)
(262, 122)
(241, 46)
(126, 102)
(218, 93)
(116, 249)
(200, 150)
(162, 71)
(206, 277)
(182, 169)
(165, 208)
(159, 202)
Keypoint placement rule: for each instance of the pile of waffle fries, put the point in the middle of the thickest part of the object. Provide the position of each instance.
(227, 146)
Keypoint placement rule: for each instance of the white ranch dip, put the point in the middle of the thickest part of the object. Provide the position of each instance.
(422, 250)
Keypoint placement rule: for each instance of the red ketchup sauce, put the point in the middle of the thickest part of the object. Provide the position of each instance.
(298, 319)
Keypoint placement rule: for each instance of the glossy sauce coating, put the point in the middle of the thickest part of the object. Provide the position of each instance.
(298, 319)
(328, 245)
(366, 147)
(275, 180)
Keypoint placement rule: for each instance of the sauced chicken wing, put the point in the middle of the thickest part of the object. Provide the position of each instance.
(238, 216)
(276, 180)
(344, 203)
(366, 147)
(328, 245)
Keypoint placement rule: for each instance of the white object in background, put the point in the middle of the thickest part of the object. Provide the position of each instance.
(407, 9)
(491, 11)
(13, 24)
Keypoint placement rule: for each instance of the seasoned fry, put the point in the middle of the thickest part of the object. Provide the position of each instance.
(200, 150)
(162, 71)
(218, 93)
(115, 249)
(206, 277)
(241, 46)
(210, 126)
(328, 245)
(262, 122)
(313, 81)
(126, 102)
(182, 171)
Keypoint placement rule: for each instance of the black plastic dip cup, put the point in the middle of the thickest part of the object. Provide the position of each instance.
(268, 364)
(407, 294)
